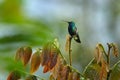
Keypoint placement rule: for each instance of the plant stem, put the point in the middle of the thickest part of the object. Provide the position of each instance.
(88, 65)
(70, 56)
(76, 71)
(100, 45)
(108, 55)
(116, 64)
(60, 54)
(108, 61)
(30, 74)
(108, 74)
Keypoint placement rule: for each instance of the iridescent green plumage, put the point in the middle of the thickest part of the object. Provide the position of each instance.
(73, 31)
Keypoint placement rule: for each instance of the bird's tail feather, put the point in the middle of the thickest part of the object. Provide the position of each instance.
(77, 38)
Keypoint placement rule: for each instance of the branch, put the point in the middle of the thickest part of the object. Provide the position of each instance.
(108, 60)
(70, 56)
(76, 71)
(60, 54)
(88, 65)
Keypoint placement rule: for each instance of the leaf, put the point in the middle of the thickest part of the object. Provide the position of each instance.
(51, 63)
(75, 76)
(31, 77)
(23, 54)
(70, 77)
(51, 77)
(64, 72)
(11, 12)
(19, 53)
(49, 56)
(61, 72)
(45, 56)
(56, 70)
(92, 70)
(96, 71)
(27, 55)
(115, 50)
(46, 69)
(104, 70)
(35, 62)
(99, 53)
(15, 75)
(115, 72)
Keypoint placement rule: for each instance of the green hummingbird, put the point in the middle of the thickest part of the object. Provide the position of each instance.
(72, 29)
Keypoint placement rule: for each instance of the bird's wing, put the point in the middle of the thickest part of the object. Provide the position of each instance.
(75, 29)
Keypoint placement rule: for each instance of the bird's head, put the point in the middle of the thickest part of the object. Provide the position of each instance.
(71, 23)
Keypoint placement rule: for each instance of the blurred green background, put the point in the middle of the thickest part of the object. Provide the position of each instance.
(35, 22)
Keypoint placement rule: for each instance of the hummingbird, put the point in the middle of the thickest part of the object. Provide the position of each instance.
(72, 29)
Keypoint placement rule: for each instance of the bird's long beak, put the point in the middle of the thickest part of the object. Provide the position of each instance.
(65, 21)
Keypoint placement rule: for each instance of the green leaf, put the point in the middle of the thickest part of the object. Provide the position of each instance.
(115, 74)
(92, 70)
(11, 11)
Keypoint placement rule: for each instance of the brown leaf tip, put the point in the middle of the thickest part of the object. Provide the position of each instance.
(35, 62)
(99, 52)
(115, 49)
(23, 54)
(14, 75)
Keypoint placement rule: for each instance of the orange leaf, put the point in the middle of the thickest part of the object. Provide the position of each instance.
(27, 55)
(15, 75)
(53, 60)
(46, 69)
(49, 57)
(56, 70)
(61, 72)
(35, 62)
(64, 72)
(51, 63)
(104, 70)
(75, 76)
(115, 50)
(70, 77)
(99, 53)
(23, 54)
(19, 54)
(45, 56)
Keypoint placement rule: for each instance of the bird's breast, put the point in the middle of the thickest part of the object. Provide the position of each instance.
(71, 31)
